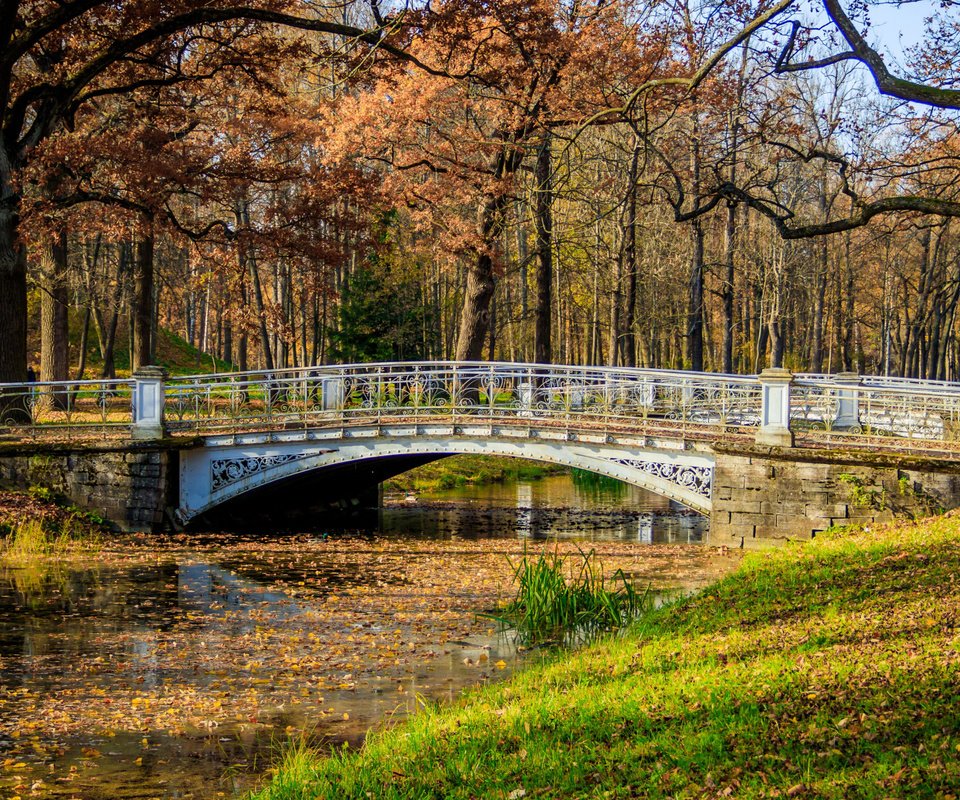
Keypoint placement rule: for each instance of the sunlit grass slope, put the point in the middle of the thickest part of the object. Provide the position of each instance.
(828, 670)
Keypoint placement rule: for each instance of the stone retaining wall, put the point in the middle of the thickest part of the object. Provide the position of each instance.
(131, 487)
(770, 494)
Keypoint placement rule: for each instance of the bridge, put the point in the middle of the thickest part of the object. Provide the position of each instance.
(766, 456)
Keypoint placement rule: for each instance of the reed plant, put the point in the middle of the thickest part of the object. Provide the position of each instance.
(558, 602)
(35, 538)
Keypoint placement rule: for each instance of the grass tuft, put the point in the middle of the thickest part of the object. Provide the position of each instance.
(556, 602)
(32, 539)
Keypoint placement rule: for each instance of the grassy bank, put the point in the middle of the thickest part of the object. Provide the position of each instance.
(448, 473)
(37, 525)
(828, 670)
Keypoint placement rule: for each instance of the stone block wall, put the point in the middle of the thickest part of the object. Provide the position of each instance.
(132, 488)
(768, 494)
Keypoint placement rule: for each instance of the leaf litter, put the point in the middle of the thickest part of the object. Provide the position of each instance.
(175, 660)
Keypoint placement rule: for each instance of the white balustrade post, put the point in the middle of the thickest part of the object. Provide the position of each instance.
(848, 407)
(775, 408)
(148, 399)
(331, 394)
(524, 390)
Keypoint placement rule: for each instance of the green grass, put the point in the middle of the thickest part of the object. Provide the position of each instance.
(449, 473)
(830, 670)
(557, 601)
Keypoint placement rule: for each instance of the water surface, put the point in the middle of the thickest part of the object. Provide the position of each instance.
(176, 666)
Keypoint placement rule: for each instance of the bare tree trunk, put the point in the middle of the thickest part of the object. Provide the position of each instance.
(84, 339)
(629, 345)
(774, 328)
(695, 311)
(475, 315)
(260, 308)
(13, 292)
(142, 352)
(849, 317)
(542, 350)
(695, 294)
(226, 312)
(248, 265)
(54, 316)
(523, 253)
(726, 293)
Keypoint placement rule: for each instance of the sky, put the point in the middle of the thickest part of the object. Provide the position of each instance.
(897, 28)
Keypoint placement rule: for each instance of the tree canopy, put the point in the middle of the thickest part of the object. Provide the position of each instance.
(666, 182)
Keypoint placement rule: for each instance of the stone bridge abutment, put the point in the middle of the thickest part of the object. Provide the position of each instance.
(765, 494)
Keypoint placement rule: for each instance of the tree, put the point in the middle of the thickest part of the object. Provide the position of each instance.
(800, 54)
(55, 59)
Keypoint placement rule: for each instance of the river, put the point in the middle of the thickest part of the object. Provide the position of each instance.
(178, 666)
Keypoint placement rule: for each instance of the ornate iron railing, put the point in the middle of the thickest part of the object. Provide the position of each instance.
(326, 395)
(29, 408)
(849, 409)
(875, 408)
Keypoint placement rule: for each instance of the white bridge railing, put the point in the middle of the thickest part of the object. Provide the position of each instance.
(430, 390)
(773, 407)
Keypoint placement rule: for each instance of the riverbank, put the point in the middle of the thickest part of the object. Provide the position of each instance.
(448, 473)
(827, 670)
(36, 525)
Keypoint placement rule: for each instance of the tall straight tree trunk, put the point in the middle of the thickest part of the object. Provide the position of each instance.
(695, 309)
(110, 337)
(143, 305)
(523, 253)
(480, 282)
(13, 291)
(54, 307)
(695, 287)
(260, 309)
(84, 339)
(542, 351)
(849, 317)
(775, 330)
(820, 287)
(616, 314)
(819, 308)
(248, 265)
(227, 349)
(726, 293)
(629, 345)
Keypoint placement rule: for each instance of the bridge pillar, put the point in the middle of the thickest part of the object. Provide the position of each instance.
(848, 407)
(148, 397)
(775, 408)
(331, 392)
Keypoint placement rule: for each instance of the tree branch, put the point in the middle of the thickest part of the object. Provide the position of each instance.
(860, 215)
(887, 83)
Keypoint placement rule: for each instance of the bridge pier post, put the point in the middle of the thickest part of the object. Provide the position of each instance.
(848, 407)
(525, 396)
(331, 393)
(775, 408)
(148, 398)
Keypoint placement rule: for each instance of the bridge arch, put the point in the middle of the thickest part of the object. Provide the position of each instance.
(224, 468)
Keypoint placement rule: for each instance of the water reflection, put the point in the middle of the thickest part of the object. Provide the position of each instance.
(173, 667)
(554, 507)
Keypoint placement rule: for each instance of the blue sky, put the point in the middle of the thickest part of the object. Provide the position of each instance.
(895, 28)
